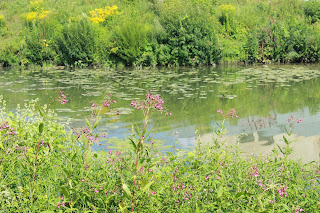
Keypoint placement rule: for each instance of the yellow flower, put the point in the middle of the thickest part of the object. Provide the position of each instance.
(101, 15)
(31, 16)
(44, 14)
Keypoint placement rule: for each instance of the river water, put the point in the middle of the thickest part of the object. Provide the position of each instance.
(263, 96)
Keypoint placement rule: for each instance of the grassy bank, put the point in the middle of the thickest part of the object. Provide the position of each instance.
(46, 168)
(152, 32)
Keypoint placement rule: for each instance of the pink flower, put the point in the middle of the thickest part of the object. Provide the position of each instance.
(150, 170)
(118, 113)
(82, 180)
(218, 178)
(170, 113)
(219, 111)
(96, 191)
(114, 101)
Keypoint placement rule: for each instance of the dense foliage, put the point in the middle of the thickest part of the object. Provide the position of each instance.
(43, 167)
(158, 32)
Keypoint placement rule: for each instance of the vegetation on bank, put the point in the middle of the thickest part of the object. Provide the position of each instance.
(46, 168)
(158, 32)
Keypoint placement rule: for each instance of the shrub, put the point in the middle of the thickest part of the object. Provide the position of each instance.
(190, 37)
(9, 56)
(311, 9)
(130, 40)
(76, 42)
(227, 17)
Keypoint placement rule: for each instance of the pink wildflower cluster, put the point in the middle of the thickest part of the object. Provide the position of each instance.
(292, 120)
(87, 132)
(232, 113)
(5, 127)
(62, 97)
(282, 192)
(299, 210)
(61, 204)
(255, 171)
(153, 193)
(150, 101)
(262, 186)
(108, 101)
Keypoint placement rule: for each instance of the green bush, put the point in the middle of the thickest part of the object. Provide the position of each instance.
(130, 41)
(311, 9)
(76, 42)
(190, 37)
(9, 56)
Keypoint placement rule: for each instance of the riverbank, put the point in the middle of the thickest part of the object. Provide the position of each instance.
(152, 33)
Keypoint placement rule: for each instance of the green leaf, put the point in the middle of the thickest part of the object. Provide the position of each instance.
(41, 128)
(133, 144)
(146, 187)
(88, 123)
(126, 190)
(41, 112)
(95, 124)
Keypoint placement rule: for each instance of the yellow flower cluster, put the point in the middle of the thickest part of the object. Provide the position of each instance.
(102, 14)
(38, 15)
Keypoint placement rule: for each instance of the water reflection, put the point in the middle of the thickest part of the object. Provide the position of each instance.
(264, 99)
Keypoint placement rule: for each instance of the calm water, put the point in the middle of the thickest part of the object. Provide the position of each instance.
(264, 98)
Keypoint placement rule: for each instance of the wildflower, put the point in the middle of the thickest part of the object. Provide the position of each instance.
(218, 177)
(62, 204)
(141, 169)
(118, 113)
(82, 180)
(282, 192)
(232, 113)
(206, 178)
(114, 101)
(299, 210)
(299, 121)
(170, 113)
(96, 191)
(150, 170)
(61, 197)
(62, 98)
(219, 111)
